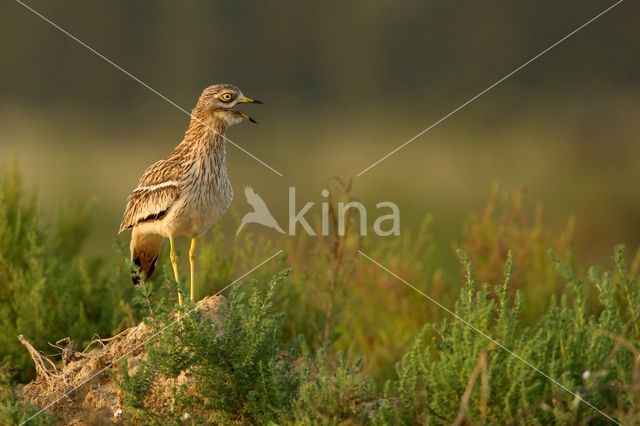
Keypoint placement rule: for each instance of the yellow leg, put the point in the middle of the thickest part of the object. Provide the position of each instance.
(174, 263)
(192, 264)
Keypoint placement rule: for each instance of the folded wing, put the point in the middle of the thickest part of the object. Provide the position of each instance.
(157, 190)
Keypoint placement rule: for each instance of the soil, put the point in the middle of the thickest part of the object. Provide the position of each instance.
(83, 390)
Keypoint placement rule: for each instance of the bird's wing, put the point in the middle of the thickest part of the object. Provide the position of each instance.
(254, 199)
(156, 192)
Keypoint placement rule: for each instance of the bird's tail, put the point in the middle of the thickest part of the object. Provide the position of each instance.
(145, 249)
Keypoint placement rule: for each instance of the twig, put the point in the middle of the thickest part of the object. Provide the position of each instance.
(45, 368)
(97, 339)
(480, 368)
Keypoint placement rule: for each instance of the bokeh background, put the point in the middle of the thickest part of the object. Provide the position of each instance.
(343, 84)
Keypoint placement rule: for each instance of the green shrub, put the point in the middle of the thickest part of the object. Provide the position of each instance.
(48, 290)
(333, 394)
(13, 410)
(241, 368)
(590, 353)
(507, 224)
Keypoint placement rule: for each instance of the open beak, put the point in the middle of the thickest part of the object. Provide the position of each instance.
(245, 100)
(247, 117)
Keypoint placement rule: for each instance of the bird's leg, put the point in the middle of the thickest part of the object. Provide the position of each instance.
(192, 263)
(174, 264)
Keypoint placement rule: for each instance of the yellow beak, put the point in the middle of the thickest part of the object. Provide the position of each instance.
(247, 117)
(245, 100)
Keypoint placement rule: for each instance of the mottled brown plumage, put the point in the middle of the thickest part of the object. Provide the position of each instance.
(188, 191)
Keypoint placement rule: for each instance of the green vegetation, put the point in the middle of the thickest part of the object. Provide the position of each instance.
(585, 352)
(13, 410)
(322, 336)
(242, 371)
(48, 290)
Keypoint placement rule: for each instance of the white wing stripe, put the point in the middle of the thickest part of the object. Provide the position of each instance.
(166, 184)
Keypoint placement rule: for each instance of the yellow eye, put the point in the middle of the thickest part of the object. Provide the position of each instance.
(226, 97)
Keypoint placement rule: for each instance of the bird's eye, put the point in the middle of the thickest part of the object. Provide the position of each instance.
(226, 97)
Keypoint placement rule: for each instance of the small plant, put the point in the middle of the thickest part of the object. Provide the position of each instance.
(331, 395)
(14, 410)
(48, 291)
(236, 370)
(506, 224)
(585, 352)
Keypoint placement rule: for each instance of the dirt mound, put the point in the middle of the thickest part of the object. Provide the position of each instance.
(82, 389)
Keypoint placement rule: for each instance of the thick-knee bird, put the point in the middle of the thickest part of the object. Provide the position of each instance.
(185, 193)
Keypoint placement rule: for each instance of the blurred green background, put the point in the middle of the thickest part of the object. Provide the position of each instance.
(343, 84)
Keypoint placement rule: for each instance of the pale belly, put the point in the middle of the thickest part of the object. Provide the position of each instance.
(199, 223)
(193, 216)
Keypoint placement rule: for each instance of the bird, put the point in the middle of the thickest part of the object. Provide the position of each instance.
(185, 193)
(260, 213)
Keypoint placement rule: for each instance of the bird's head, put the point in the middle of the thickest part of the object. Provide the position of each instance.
(218, 101)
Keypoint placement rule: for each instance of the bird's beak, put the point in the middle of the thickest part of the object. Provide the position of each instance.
(247, 117)
(245, 100)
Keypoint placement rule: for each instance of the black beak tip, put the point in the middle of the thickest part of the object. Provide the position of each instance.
(252, 120)
(255, 101)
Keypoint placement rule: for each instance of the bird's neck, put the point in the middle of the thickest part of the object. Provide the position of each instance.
(209, 129)
(204, 143)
